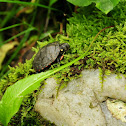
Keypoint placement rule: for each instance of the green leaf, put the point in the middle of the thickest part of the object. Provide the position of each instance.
(104, 5)
(14, 94)
(80, 2)
(52, 2)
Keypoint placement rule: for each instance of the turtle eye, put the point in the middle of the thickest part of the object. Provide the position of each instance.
(61, 50)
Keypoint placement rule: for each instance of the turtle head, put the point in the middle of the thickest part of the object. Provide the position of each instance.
(64, 47)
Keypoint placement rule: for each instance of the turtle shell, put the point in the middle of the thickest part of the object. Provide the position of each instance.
(46, 55)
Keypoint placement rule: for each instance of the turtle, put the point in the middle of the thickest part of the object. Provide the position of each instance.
(48, 54)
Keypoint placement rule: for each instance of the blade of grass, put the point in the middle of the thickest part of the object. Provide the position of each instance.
(43, 35)
(21, 33)
(51, 2)
(17, 50)
(29, 3)
(20, 45)
(9, 15)
(9, 27)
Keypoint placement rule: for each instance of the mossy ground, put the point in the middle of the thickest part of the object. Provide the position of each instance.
(108, 52)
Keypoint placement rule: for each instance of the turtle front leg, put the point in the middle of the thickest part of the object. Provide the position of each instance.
(59, 58)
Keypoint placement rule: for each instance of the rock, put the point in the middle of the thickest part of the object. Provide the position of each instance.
(80, 103)
(110, 120)
(117, 108)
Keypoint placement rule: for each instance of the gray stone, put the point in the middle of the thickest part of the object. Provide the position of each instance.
(81, 102)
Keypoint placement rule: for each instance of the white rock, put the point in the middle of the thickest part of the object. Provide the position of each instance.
(112, 87)
(117, 108)
(79, 104)
(110, 120)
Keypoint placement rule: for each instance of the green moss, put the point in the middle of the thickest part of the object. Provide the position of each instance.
(108, 51)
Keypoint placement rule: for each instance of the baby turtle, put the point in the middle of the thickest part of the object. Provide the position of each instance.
(48, 54)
